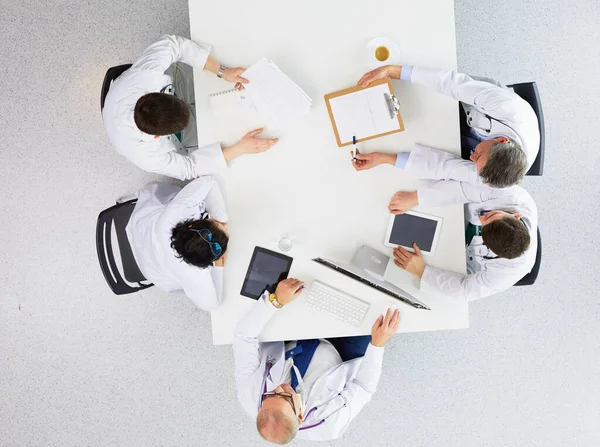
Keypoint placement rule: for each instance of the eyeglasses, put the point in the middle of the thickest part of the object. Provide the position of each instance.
(286, 396)
(205, 234)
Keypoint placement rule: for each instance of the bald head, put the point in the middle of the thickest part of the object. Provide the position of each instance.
(276, 426)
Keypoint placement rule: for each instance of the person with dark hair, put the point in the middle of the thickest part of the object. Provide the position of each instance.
(500, 131)
(501, 239)
(179, 239)
(306, 389)
(149, 112)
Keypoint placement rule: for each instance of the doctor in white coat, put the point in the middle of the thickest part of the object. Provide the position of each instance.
(307, 389)
(147, 106)
(501, 239)
(179, 239)
(504, 134)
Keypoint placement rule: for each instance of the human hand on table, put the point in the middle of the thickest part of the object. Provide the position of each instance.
(402, 201)
(385, 327)
(235, 75)
(388, 71)
(411, 262)
(368, 161)
(288, 289)
(249, 144)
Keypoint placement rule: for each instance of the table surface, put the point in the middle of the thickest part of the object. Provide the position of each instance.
(305, 186)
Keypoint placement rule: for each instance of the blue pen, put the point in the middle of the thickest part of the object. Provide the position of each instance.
(354, 148)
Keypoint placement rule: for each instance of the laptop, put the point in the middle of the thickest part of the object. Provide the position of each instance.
(368, 267)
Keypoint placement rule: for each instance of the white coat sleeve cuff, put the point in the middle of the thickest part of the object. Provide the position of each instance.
(406, 73)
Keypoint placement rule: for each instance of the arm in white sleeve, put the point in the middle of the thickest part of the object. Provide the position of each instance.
(246, 351)
(215, 204)
(170, 49)
(355, 395)
(470, 287)
(430, 193)
(182, 167)
(201, 286)
(216, 272)
(489, 98)
(434, 164)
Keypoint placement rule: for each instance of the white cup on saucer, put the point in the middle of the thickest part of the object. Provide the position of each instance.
(381, 51)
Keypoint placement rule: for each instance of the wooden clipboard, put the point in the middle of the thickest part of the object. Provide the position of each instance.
(333, 95)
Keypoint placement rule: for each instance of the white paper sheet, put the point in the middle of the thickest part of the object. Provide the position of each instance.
(363, 114)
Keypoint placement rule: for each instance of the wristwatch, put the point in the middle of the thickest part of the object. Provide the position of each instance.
(222, 69)
(274, 302)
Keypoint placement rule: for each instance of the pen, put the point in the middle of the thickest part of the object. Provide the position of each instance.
(354, 148)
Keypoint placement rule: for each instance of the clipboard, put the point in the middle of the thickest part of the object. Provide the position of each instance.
(364, 115)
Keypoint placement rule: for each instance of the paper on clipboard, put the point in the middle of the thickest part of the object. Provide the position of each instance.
(363, 112)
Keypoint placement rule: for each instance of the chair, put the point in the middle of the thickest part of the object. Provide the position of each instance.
(118, 216)
(531, 277)
(112, 74)
(529, 92)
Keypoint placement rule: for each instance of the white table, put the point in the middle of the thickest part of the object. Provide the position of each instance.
(305, 186)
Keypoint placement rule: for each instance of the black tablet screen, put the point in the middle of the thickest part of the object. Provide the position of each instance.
(266, 270)
(408, 229)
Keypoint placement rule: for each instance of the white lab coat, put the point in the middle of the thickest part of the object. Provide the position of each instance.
(485, 276)
(147, 75)
(462, 183)
(511, 116)
(336, 397)
(159, 208)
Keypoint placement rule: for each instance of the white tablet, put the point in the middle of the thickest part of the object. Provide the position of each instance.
(412, 226)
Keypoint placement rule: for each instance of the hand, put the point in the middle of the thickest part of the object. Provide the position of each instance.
(235, 75)
(388, 71)
(411, 262)
(288, 289)
(368, 161)
(385, 327)
(402, 201)
(221, 261)
(249, 144)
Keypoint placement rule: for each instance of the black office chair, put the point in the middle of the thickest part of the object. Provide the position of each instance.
(531, 277)
(529, 92)
(112, 74)
(118, 216)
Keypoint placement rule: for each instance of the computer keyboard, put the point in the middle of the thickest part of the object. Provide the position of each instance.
(339, 305)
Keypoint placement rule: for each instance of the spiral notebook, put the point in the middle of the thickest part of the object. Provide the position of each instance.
(234, 115)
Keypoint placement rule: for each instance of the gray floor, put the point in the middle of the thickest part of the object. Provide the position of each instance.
(79, 366)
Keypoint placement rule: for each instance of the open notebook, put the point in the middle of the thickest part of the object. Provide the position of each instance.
(363, 112)
(234, 115)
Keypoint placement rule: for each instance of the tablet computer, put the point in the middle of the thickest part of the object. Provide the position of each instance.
(267, 268)
(412, 226)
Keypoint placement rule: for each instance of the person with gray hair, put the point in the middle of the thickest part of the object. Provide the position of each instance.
(307, 389)
(500, 132)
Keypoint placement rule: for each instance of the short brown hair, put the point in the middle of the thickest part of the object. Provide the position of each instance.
(507, 237)
(161, 114)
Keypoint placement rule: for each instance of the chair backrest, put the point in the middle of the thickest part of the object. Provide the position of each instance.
(112, 74)
(529, 92)
(118, 216)
(531, 277)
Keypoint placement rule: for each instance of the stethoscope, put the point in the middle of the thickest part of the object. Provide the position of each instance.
(270, 362)
(490, 118)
